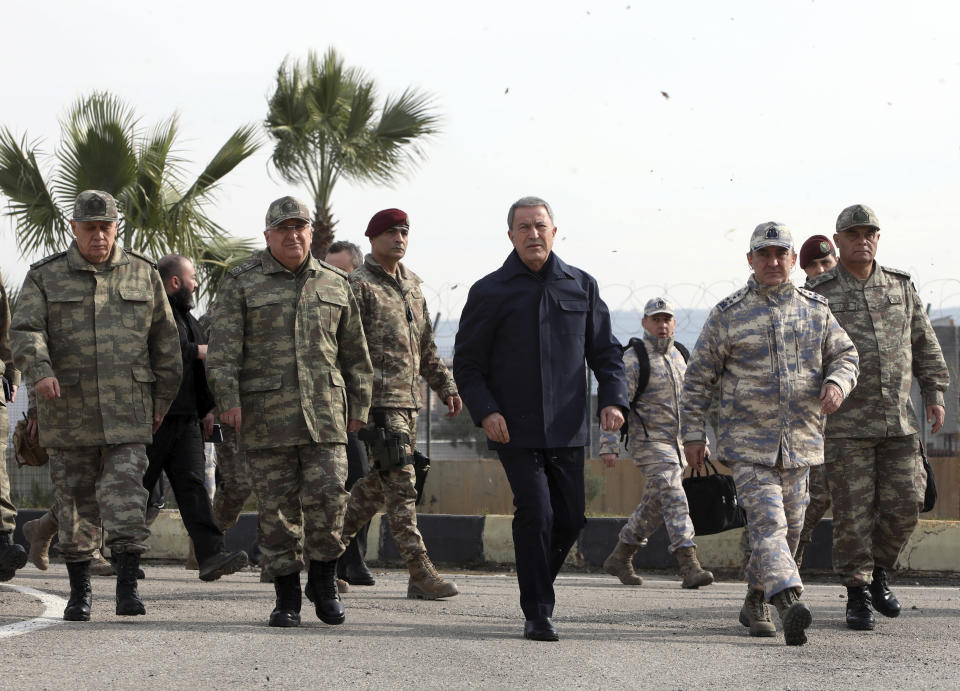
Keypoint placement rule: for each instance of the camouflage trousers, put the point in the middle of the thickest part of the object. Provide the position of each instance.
(663, 502)
(775, 500)
(876, 486)
(8, 512)
(394, 488)
(100, 483)
(301, 500)
(233, 480)
(819, 502)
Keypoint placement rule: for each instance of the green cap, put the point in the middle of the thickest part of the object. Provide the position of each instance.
(857, 215)
(285, 208)
(95, 205)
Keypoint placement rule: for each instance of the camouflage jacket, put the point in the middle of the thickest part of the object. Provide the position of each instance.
(107, 334)
(770, 349)
(884, 317)
(655, 421)
(399, 336)
(288, 349)
(6, 360)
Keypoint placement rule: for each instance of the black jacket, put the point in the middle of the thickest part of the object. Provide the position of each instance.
(520, 351)
(194, 396)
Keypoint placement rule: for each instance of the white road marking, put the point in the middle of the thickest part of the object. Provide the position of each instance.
(52, 613)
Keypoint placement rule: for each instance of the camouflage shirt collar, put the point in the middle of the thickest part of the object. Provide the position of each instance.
(78, 262)
(851, 281)
(403, 273)
(272, 266)
(661, 345)
(777, 293)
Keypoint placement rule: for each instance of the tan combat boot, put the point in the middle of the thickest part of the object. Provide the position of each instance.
(620, 564)
(425, 583)
(756, 615)
(100, 566)
(693, 574)
(342, 586)
(795, 617)
(40, 533)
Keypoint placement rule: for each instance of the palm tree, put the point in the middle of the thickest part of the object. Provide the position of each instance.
(103, 146)
(217, 258)
(326, 124)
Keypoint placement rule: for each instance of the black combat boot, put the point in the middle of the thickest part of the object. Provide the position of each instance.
(322, 591)
(883, 600)
(350, 566)
(286, 613)
(12, 556)
(859, 616)
(81, 596)
(127, 564)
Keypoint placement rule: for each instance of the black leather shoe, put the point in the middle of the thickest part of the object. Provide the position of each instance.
(883, 600)
(221, 564)
(859, 616)
(322, 591)
(540, 630)
(286, 612)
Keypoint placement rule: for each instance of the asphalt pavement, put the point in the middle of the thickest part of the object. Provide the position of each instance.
(214, 635)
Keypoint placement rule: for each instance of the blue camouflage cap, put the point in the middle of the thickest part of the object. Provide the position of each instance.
(771, 234)
(658, 306)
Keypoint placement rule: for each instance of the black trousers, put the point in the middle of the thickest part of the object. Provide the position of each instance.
(548, 494)
(177, 450)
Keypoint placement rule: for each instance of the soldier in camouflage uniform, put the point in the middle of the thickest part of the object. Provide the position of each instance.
(400, 338)
(782, 361)
(12, 557)
(873, 464)
(289, 369)
(94, 335)
(655, 446)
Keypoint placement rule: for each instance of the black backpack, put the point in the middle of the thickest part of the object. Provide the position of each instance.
(643, 375)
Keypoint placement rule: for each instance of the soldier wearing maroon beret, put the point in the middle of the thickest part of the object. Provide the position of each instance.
(817, 255)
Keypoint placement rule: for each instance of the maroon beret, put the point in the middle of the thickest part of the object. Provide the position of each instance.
(815, 247)
(383, 221)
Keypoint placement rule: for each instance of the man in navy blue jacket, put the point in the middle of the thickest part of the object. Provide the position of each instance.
(524, 335)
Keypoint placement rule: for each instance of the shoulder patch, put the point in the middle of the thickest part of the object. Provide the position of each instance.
(813, 296)
(896, 272)
(732, 299)
(246, 266)
(145, 258)
(43, 261)
(332, 268)
(820, 280)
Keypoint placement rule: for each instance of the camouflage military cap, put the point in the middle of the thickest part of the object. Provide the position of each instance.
(770, 234)
(658, 306)
(284, 209)
(857, 215)
(95, 205)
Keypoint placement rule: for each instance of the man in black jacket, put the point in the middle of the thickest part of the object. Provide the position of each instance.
(177, 447)
(519, 365)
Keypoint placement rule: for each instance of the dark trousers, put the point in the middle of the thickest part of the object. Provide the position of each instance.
(358, 465)
(548, 495)
(177, 450)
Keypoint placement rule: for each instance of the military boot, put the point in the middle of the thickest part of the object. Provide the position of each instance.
(881, 597)
(756, 615)
(286, 613)
(222, 563)
(342, 586)
(81, 595)
(40, 533)
(321, 590)
(693, 574)
(351, 567)
(619, 563)
(12, 556)
(128, 599)
(795, 616)
(859, 616)
(100, 566)
(425, 583)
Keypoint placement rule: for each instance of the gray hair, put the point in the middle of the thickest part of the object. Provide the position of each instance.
(356, 254)
(525, 202)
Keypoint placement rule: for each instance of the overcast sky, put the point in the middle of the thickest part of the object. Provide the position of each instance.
(784, 111)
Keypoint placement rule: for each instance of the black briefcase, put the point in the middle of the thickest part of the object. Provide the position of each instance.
(930, 494)
(421, 466)
(712, 498)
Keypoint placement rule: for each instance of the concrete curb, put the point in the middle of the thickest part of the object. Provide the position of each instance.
(472, 541)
